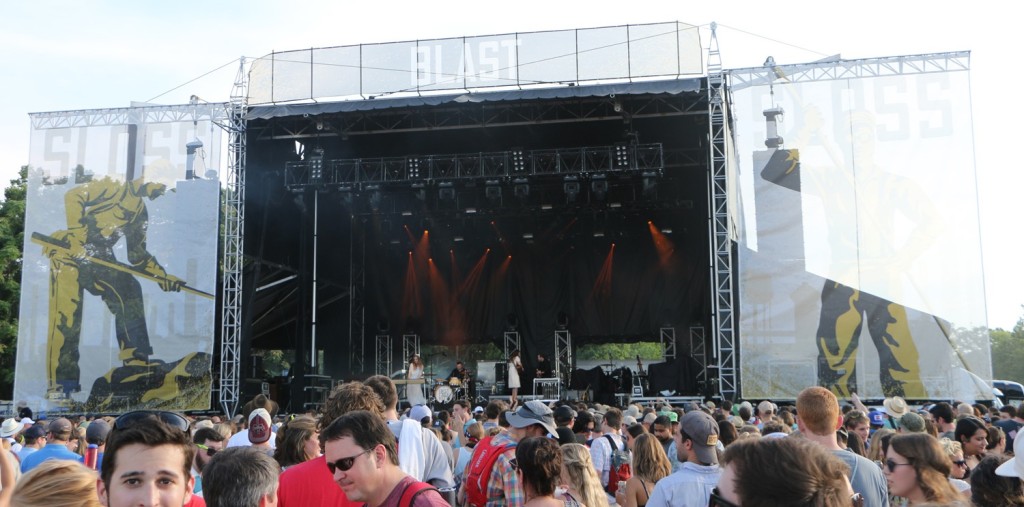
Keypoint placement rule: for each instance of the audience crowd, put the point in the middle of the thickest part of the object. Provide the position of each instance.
(361, 449)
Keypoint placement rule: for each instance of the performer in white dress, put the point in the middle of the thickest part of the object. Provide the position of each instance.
(414, 392)
(515, 367)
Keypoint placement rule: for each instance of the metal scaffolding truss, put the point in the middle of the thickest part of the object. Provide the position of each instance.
(563, 355)
(356, 302)
(698, 350)
(667, 337)
(487, 115)
(719, 228)
(410, 346)
(234, 226)
(511, 342)
(383, 364)
(349, 174)
(215, 112)
(850, 69)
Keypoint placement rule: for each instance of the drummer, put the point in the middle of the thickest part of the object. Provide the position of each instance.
(459, 372)
(461, 375)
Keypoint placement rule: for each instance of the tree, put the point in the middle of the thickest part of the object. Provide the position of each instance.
(1008, 353)
(12, 232)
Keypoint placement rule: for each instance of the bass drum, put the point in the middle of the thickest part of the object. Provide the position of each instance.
(443, 394)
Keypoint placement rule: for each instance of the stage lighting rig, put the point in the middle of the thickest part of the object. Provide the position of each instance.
(316, 167)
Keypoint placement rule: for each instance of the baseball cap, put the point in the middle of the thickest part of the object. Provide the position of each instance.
(912, 423)
(650, 417)
(532, 412)
(60, 427)
(418, 412)
(703, 432)
(564, 413)
(672, 416)
(97, 432)
(259, 426)
(35, 432)
(478, 410)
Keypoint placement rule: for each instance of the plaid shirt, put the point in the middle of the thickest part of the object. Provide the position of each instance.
(503, 487)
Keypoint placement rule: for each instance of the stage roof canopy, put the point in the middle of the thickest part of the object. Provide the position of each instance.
(512, 61)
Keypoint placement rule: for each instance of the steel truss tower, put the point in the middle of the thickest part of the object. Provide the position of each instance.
(234, 225)
(721, 245)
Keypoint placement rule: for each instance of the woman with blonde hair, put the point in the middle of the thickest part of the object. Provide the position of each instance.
(298, 441)
(876, 451)
(579, 478)
(57, 483)
(958, 471)
(650, 465)
(917, 469)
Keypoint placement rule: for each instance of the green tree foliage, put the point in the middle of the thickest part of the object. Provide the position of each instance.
(619, 351)
(12, 232)
(1008, 353)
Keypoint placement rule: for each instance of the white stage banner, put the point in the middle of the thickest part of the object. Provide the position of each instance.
(120, 267)
(860, 251)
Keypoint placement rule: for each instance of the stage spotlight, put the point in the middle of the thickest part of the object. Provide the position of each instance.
(458, 239)
(622, 156)
(562, 321)
(518, 160)
(512, 322)
(316, 167)
(412, 167)
(521, 188)
(572, 188)
(492, 190)
(599, 186)
(446, 191)
(650, 182)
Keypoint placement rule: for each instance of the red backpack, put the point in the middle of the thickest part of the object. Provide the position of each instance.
(620, 469)
(478, 471)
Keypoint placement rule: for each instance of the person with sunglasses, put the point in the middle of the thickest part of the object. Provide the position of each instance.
(208, 443)
(310, 484)
(147, 462)
(917, 469)
(362, 455)
(818, 418)
(958, 472)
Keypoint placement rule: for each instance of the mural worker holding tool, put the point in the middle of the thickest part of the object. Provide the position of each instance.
(99, 214)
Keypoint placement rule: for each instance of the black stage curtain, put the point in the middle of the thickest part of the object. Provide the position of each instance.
(678, 375)
(620, 294)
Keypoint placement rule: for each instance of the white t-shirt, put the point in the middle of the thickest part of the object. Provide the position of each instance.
(241, 439)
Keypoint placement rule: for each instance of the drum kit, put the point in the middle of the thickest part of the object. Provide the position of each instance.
(448, 390)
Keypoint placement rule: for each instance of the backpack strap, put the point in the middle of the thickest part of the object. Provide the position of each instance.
(411, 491)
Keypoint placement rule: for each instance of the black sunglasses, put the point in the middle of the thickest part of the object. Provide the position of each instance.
(891, 465)
(960, 463)
(171, 419)
(716, 500)
(210, 451)
(344, 464)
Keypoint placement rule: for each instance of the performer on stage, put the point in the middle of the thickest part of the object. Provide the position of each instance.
(414, 392)
(460, 372)
(543, 367)
(515, 368)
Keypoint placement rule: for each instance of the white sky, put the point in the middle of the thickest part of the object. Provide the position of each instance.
(68, 55)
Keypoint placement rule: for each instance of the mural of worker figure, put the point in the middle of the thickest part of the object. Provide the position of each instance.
(99, 214)
(888, 221)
